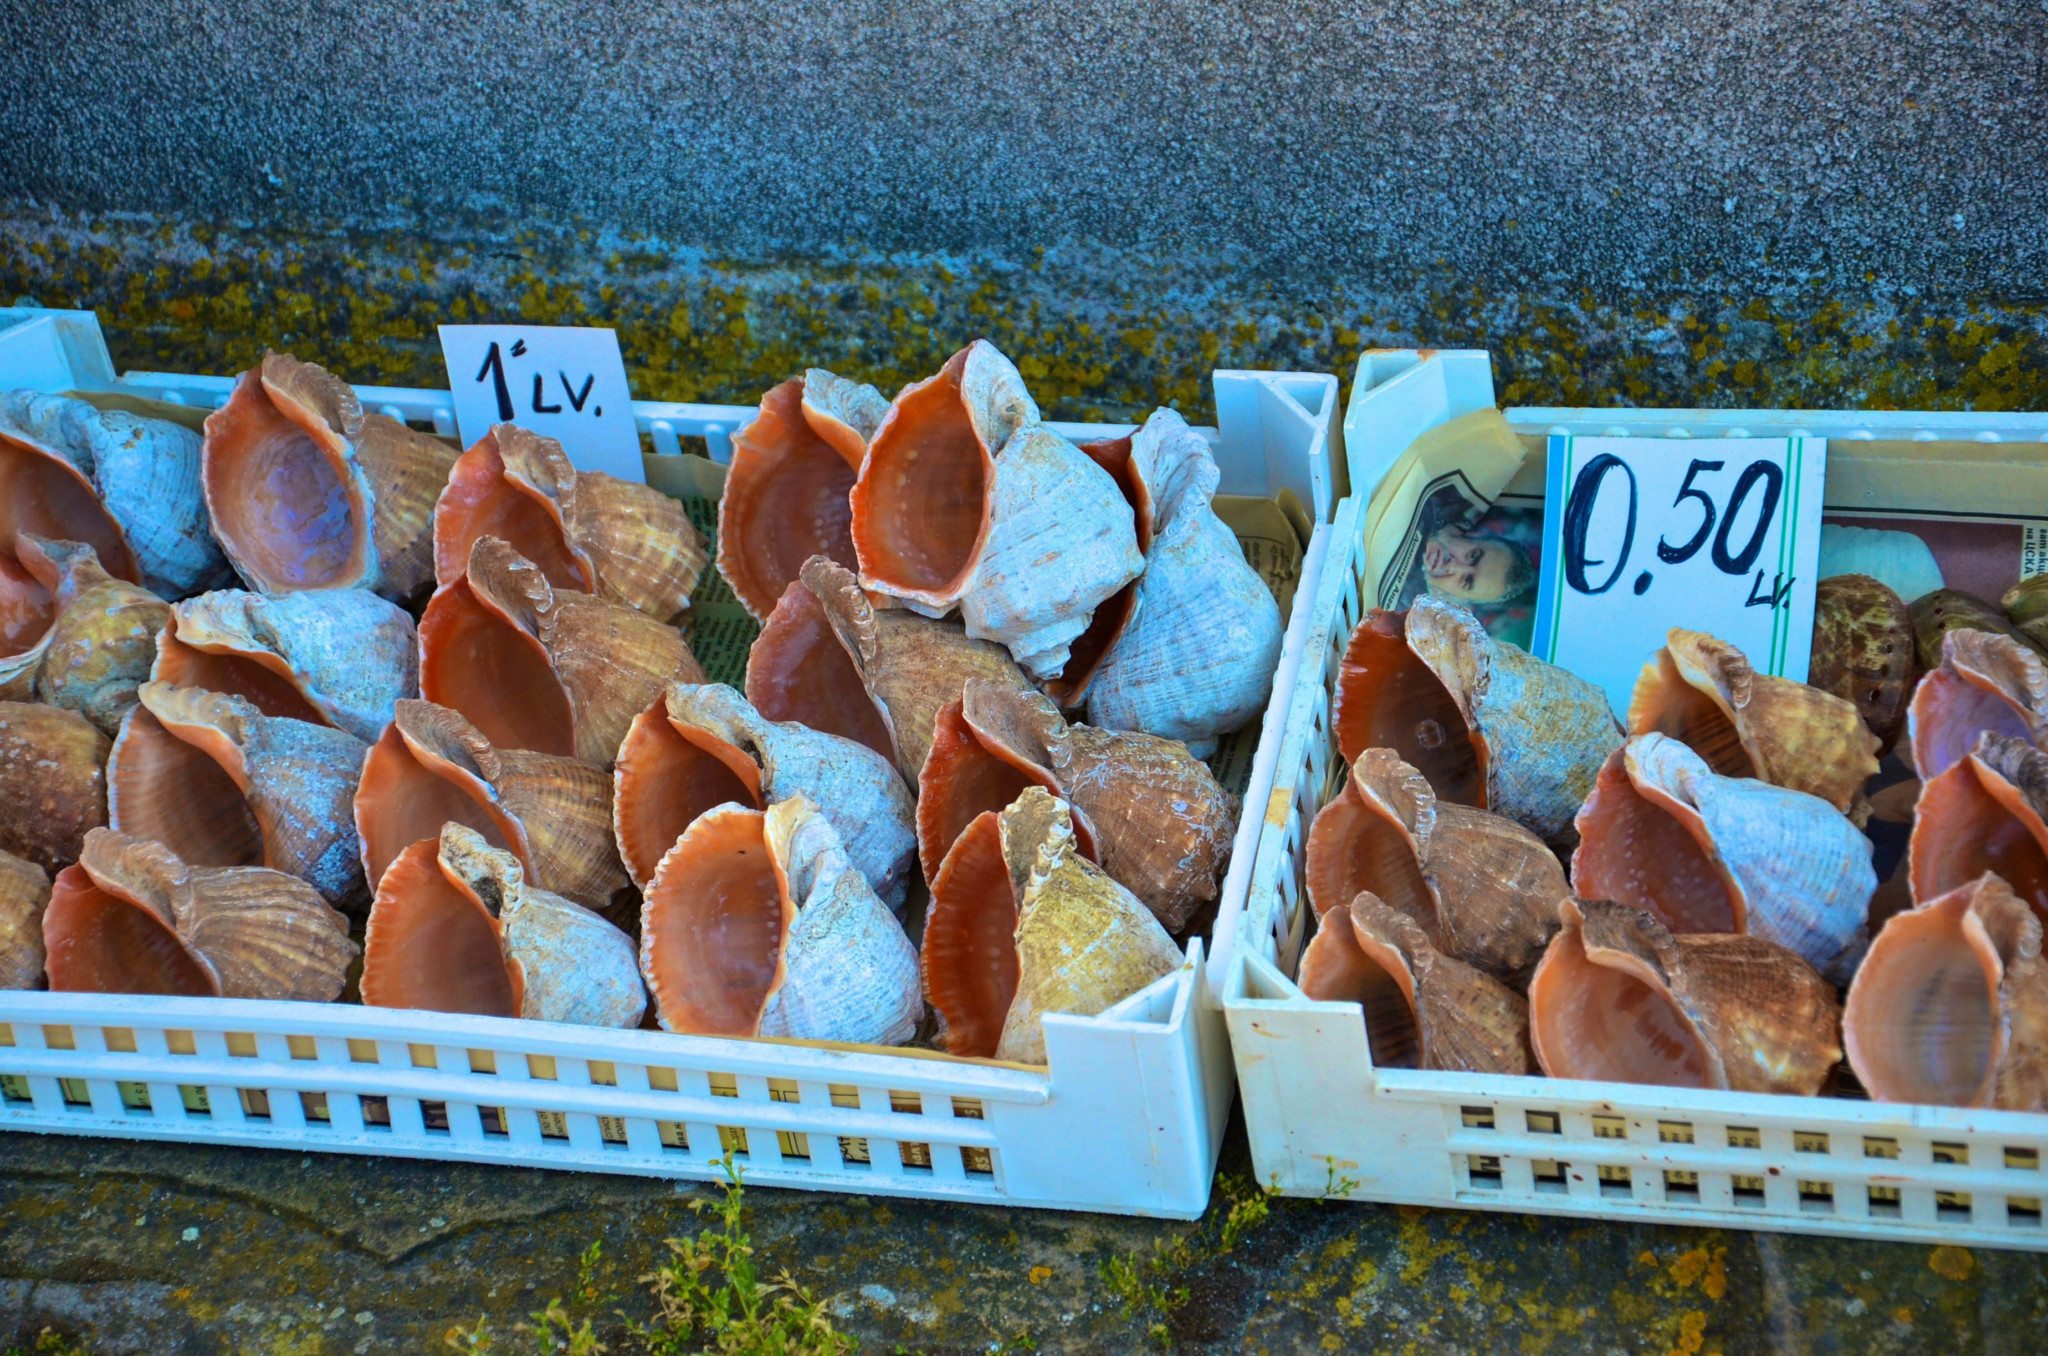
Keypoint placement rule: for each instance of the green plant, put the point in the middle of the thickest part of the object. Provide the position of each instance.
(49, 1342)
(1153, 1288)
(554, 1328)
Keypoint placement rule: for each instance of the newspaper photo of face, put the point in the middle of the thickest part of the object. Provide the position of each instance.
(1475, 568)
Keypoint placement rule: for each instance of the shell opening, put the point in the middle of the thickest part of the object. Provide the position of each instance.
(785, 501)
(1638, 847)
(1387, 698)
(432, 944)
(284, 498)
(713, 926)
(1692, 717)
(401, 801)
(921, 504)
(1343, 966)
(27, 607)
(1922, 1020)
(100, 942)
(1608, 1020)
(797, 670)
(42, 494)
(1353, 847)
(475, 660)
(1950, 709)
(1970, 820)
(962, 778)
(161, 787)
(481, 500)
(969, 959)
(667, 777)
(264, 679)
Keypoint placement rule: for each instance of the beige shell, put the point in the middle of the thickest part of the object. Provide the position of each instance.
(1986, 681)
(1988, 812)
(337, 657)
(911, 665)
(1703, 853)
(1950, 1008)
(1619, 999)
(1084, 943)
(308, 491)
(702, 745)
(1196, 659)
(1483, 888)
(535, 668)
(1703, 692)
(432, 766)
(1423, 1009)
(131, 917)
(100, 644)
(2026, 606)
(53, 782)
(24, 890)
(585, 530)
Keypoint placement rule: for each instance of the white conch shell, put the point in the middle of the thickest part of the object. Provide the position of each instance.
(1084, 943)
(850, 973)
(1703, 853)
(347, 653)
(1197, 659)
(1060, 541)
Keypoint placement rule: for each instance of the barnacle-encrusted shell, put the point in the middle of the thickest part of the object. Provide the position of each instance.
(2026, 606)
(1944, 610)
(1423, 1009)
(1951, 1005)
(910, 665)
(1863, 651)
(431, 766)
(1483, 888)
(584, 530)
(131, 917)
(1617, 998)
(307, 491)
(785, 496)
(337, 657)
(1196, 659)
(53, 782)
(24, 890)
(1488, 724)
(1984, 681)
(535, 668)
(1985, 813)
(1084, 657)
(1702, 853)
(222, 784)
(125, 485)
(969, 960)
(702, 745)
(1703, 693)
(100, 643)
(797, 670)
(1084, 943)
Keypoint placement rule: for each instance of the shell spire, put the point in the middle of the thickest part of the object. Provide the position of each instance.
(101, 639)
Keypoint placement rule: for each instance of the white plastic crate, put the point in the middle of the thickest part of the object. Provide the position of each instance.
(1126, 1116)
(1323, 1120)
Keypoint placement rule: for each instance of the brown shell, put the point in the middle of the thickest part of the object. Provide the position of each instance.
(1986, 813)
(1619, 999)
(1944, 610)
(53, 782)
(797, 670)
(1387, 698)
(1985, 681)
(434, 943)
(785, 497)
(1070, 688)
(1704, 693)
(102, 637)
(2026, 606)
(24, 890)
(1863, 651)
(969, 959)
(986, 748)
(1423, 1009)
(713, 926)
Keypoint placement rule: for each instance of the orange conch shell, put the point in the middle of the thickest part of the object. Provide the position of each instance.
(1483, 888)
(1084, 657)
(986, 748)
(1423, 1009)
(101, 640)
(1950, 1007)
(24, 890)
(1986, 813)
(1703, 853)
(1619, 999)
(1985, 681)
(797, 670)
(308, 491)
(131, 917)
(53, 782)
(534, 668)
(969, 960)
(1863, 651)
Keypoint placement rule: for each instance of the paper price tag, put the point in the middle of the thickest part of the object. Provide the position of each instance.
(565, 383)
(1644, 534)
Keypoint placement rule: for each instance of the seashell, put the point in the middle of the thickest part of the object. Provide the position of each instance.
(222, 784)
(1489, 724)
(1070, 687)
(554, 672)
(1984, 681)
(26, 612)
(1944, 610)
(910, 665)
(921, 504)
(24, 890)
(53, 782)
(969, 960)
(585, 530)
(1863, 652)
(101, 640)
(797, 670)
(1984, 814)
(701, 746)
(307, 491)
(337, 657)
(986, 748)
(2026, 606)
(431, 767)
(1703, 693)
(1702, 853)
(785, 494)
(124, 485)
(756, 923)
(1197, 658)
(1084, 943)
(1423, 1009)
(132, 917)
(1950, 1008)
(1483, 888)
(456, 928)
(1619, 999)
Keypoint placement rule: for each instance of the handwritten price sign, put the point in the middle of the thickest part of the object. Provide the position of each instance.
(566, 383)
(1644, 534)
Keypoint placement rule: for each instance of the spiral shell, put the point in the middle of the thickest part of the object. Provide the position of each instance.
(53, 782)
(1944, 610)
(101, 640)
(1863, 651)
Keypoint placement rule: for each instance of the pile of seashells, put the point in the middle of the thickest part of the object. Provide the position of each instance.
(453, 728)
(1509, 882)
